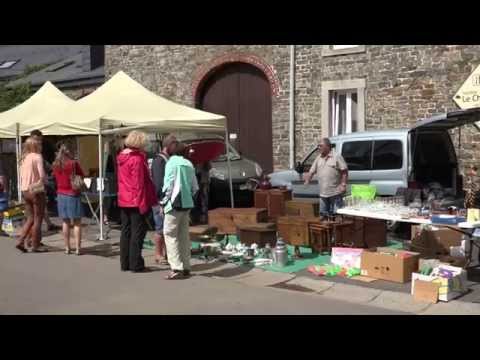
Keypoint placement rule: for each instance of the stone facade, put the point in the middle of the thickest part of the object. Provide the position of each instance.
(403, 83)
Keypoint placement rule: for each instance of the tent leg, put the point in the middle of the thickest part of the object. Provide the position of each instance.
(18, 154)
(230, 185)
(100, 190)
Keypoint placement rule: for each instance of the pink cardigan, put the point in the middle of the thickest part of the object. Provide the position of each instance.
(31, 170)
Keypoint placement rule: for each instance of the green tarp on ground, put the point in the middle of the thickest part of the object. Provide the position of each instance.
(294, 265)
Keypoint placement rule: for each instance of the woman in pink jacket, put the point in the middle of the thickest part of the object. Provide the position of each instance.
(32, 183)
(136, 196)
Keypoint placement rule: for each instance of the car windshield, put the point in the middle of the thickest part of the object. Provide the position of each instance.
(233, 154)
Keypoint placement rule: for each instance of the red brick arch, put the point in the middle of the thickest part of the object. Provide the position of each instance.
(234, 57)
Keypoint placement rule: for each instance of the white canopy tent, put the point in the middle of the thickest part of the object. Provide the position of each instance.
(119, 105)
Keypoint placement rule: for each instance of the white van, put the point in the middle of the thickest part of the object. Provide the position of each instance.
(390, 159)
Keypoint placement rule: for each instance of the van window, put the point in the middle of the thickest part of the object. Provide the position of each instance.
(358, 154)
(387, 155)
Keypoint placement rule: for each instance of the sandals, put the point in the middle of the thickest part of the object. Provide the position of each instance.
(78, 252)
(175, 275)
(68, 251)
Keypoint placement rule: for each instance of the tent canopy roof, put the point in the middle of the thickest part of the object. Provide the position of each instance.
(123, 102)
(34, 111)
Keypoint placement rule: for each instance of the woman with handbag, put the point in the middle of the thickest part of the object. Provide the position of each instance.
(69, 177)
(32, 185)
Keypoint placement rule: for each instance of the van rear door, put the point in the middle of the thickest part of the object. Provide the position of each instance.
(449, 120)
(432, 133)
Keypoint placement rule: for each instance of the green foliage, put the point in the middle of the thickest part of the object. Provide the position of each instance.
(11, 97)
(30, 69)
(15, 95)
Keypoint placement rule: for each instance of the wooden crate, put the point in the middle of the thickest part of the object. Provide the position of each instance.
(261, 199)
(294, 229)
(225, 219)
(277, 202)
(367, 232)
(260, 234)
(273, 200)
(302, 207)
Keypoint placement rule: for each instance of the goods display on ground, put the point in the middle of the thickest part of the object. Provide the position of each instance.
(442, 283)
(13, 219)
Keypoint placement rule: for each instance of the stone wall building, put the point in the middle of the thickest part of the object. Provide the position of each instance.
(338, 88)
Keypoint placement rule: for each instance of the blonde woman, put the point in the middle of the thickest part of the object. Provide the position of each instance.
(32, 182)
(136, 196)
(68, 199)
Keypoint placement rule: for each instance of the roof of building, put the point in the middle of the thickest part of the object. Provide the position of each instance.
(29, 55)
(65, 65)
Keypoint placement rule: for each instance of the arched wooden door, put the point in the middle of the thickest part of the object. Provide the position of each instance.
(242, 93)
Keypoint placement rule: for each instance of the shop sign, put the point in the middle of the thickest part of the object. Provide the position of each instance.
(468, 96)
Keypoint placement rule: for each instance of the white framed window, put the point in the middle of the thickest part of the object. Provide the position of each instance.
(343, 107)
(340, 47)
(8, 64)
(343, 117)
(332, 50)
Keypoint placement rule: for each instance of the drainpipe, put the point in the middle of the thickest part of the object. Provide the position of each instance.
(291, 127)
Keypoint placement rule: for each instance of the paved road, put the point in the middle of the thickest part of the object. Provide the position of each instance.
(54, 283)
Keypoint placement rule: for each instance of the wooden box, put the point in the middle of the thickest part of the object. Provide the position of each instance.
(260, 234)
(273, 200)
(367, 233)
(342, 233)
(198, 230)
(277, 202)
(225, 219)
(261, 199)
(294, 229)
(302, 207)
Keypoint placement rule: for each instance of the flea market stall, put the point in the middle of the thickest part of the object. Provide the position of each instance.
(118, 106)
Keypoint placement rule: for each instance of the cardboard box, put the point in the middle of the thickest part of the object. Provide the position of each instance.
(434, 241)
(389, 264)
(347, 257)
(425, 291)
(448, 289)
(473, 215)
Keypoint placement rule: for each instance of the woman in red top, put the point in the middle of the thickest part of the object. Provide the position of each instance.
(136, 196)
(68, 199)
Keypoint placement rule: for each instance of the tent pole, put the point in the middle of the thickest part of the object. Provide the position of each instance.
(18, 154)
(230, 185)
(100, 176)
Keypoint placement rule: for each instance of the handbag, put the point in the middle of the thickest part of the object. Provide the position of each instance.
(37, 187)
(76, 180)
